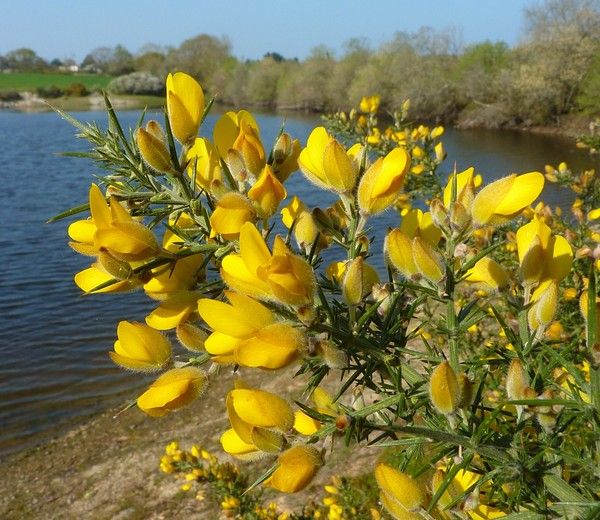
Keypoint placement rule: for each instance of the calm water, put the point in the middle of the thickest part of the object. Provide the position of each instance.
(53, 341)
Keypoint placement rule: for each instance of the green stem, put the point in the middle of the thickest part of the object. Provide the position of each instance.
(453, 343)
(523, 325)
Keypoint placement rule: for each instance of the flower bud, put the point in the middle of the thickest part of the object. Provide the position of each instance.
(544, 302)
(358, 280)
(517, 381)
(439, 213)
(459, 216)
(444, 389)
(152, 148)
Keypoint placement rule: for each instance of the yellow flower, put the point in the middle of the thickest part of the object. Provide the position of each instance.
(325, 162)
(444, 388)
(544, 302)
(281, 276)
(505, 198)
(465, 188)
(116, 231)
(369, 104)
(228, 127)
(151, 142)
(380, 185)
(203, 163)
(231, 212)
(249, 145)
(285, 156)
(359, 278)
(95, 276)
(462, 481)
(267, 192)
(541, 254)
(324, 404)
(185, 105)
(400, 494)
(173, 311)
(428, 261)
(296, 468)
(488, 273)
(415, 223)
(257, 419)
(173, 389)
(140, 347)
(305, 227)
(247, 333)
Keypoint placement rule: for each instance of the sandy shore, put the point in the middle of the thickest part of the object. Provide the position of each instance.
(107, 468)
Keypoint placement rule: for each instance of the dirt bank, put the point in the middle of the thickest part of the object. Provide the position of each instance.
(107, 468)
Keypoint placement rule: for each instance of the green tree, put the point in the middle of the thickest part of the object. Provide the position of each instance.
(24, 60)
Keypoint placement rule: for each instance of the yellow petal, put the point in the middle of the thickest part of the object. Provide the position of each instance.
(92, 277)
(174, 310)
(428, 262)
(253, 249)
(242, 319)
(140, 347)
(305, 424)
(560, 257)
(227, 129)
(236, 275)
(310, 159)
(400, 487)
(221, 344)
(273, 346)
(185, 104)
(260, 408)
(489, 273)
(173, 389)
(129, 241)
(443, 388)
(232, 211)
(398, 249)
(464, 188)
(297, 467)
(340, 171)
(267, 192)
(99, 208)
(83, 231)
(234, 445)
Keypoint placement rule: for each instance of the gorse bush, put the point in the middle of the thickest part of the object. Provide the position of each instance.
(471, 363)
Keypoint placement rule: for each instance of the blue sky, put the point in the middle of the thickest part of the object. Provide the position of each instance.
(71, 28)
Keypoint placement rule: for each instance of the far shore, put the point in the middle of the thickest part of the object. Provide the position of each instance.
(569, 125)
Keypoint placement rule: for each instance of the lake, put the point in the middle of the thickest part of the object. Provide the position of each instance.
(53, 341)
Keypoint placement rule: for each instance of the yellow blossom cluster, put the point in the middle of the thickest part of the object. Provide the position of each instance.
(441, 342)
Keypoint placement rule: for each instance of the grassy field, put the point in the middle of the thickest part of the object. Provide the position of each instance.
(31, 81)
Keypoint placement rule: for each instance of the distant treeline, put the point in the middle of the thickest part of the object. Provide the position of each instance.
(554, 70)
